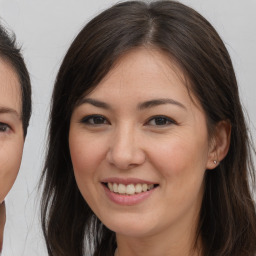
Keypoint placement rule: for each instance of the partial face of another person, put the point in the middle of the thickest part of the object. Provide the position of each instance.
(11, 130)
(140, 147)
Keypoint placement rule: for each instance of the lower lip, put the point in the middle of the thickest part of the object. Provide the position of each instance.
(128, 200)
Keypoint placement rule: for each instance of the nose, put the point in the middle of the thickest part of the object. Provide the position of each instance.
(125, 150)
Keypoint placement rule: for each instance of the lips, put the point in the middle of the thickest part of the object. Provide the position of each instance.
(128, 191)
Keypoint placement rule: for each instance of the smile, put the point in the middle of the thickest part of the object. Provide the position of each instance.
(129, 189)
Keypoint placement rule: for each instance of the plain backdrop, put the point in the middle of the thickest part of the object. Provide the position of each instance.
(45, 30)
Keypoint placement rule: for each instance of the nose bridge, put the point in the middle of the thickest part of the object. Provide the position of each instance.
(125, 150)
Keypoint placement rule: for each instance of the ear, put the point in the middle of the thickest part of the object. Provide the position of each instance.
(219, 145)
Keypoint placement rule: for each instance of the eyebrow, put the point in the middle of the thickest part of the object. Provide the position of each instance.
(141, 106)
(96, 103)
(5, 110)
(157, 102)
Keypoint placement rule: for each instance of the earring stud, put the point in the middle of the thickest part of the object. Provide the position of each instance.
(214, 161)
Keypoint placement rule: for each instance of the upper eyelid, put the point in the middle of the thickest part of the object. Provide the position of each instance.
(5, 124)
(87, 117)
(1, 123)
(161, 116)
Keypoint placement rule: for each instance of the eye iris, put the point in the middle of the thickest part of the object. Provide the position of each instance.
(98, 120)
(160, 121)
(3, 128)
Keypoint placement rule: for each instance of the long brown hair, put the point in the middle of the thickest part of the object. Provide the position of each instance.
(227, 220)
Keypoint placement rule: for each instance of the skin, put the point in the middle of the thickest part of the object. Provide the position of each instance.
(11, 133)
(130, 143)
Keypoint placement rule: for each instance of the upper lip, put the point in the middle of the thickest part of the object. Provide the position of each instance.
(126, 181)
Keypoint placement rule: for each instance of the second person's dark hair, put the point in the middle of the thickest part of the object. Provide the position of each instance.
(11, 53)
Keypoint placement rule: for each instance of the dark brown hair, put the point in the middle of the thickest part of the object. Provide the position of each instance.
(227, 220)
(11, 53)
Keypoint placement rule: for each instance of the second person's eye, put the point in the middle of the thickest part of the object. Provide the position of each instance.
(94, 120)
(4, 127)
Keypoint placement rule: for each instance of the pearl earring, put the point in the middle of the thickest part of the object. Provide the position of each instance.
(214, 161)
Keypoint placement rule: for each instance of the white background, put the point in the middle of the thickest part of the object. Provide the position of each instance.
(45, 30)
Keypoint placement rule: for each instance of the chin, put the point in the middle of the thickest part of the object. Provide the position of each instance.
(134, 229)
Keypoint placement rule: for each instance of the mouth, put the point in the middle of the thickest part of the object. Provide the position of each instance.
(129, 189)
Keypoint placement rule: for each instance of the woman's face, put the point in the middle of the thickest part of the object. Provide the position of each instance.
(11, 131)
(140, 147)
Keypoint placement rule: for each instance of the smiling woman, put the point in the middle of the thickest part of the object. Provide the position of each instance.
(15, 109)
(130, 148)
(148, 148)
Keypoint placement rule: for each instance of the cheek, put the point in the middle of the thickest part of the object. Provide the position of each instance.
(10, 159)
(181, 164)
(86, 156)
(181, 161)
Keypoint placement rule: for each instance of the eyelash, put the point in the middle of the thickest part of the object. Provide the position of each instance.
(161, 118)
(87, 120)
(4, 127)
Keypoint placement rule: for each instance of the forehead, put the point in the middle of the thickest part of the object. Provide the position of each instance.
(10, 90)
(144, 72)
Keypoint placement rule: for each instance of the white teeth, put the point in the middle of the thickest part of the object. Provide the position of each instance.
(129, 189)
(121, 189)
(115, 187)
(110, 186)
(144, 187)
(138, 188)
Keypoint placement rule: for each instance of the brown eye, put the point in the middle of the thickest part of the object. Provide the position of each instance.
(94, 120)
(160, 121)
(4, 127)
